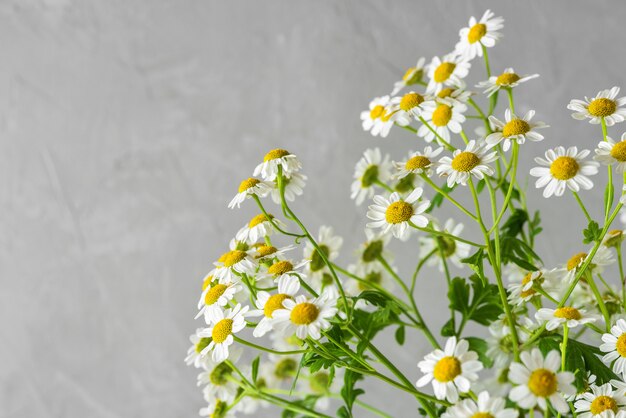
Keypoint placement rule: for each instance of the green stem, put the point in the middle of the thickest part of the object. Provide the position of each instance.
(441, 140)
(609, 185)
(447, 196)
(582, 206)
(564, 346)
(509, 92)
(446, 235)
(269, 350)
(509, 192)
(486, 57)
(600, 300)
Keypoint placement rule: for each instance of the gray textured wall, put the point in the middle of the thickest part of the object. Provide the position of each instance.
(125, 127)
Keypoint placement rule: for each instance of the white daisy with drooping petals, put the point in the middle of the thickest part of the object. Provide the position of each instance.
(198, 344)
(222, 326)
(508, 79)
(231, 264)
(614, 345)
(407, 108)
(599, 401)
(514, 129)
(412, 76)
(216, 296)
(446, 247)
(216, 378)
(601, 259)
(370, 169)
(564, 168)
(540, 381)
(264, 252)
(523, 291)
(305, 317)
(610, 152)
(395, 214)
(286, 268)
(479, 34)
(293, 186)
(417, 163)
(565, 315)
(451, 370)
(605, 106)
(441, 116)
(267, 304)
(274, 159)
(377, 120)
(467, 163)
(450, 70)
(485, 406)
(258, 227)
(248, 188)
(458, 94)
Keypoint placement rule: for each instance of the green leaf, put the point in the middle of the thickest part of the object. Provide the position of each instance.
(514, 225)
(484, 305)
(480, 346)
(255, 368)
(514, 250)
(448, 329)
(592, 233)
(475, 261)
(400, 335)
(348, 392)
(480, 186)
(535, 225)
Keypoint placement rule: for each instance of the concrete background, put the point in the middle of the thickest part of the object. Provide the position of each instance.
(126, 126)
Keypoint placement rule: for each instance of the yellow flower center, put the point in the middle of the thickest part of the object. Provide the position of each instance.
(377, 111)
(482, 415)
(304, 313)
(442, 115)
(232, 257)
(619, 151)
(279, 268)
(614, 238)
(476, 32)
(398, 212)
(447, 369)
(542, 383)
(417, 162)
(275, 154)
(260, 218)
(527, 293)
(602, 107)
(515, 127)
(575, 261)
(247, 184)
(447, 92)
(567, 312)
(506, 79)
(465, 161)
(214, 293)
(620, 345)
(412, 76)
(564, 168)
(222, 330)
(274, 302)
(207, 282)
(265, 250)
(602, 403)
(444, 71)
(411, 100)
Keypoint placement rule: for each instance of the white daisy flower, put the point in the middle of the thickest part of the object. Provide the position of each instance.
(463, 164)
(215, 379)
(540, 381)
(450, 70)
(478, 34)
(305, 317)
(406, 108)
(613, 238)
(601, 401)
(274, 159)
(458, 94)
(231, 264)
(443, 116)
(568, 315)
(294, 184)
(604, 105)
(451, 370)
(395, 213)
(602, 258)
(372, 167)
(373, 274)
(319, 384)
(265, 253)
(377, 120)
(508, 79)
(514, 129)
(258, 227)
(500, 343)
(412, 76)
(523, 291)
(563, 168)
(218, 408)
(222, 326)
(280, 370)
(197, 345)
(286, 268)
(417, 163)
(217, 296)
(610, 152)
(452, 249)
(485, 406)
(250, 187)
(329, 244)
(267, 303)
(614, 345)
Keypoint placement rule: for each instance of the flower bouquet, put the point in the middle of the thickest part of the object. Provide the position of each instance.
(300, 332)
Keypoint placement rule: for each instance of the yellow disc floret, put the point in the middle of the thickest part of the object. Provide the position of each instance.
(222, 330)
(274, 302)
(275, 154)
(515, 127)
(411, 100)
(602, 403)
(265, 250)
(442, 115)
(476, 33)
(482, 415)
(247, 184)
(416, 163)
(280, 267)
(619, 151)
(466, 161)
(567, 312)
(602, 107)
(398, 212)
(620, 345)
(575, 261)
(260, 218)
(214, 293)
(377, 111)
(444, 71)
(232, 257)
(542, 383)
(304, 313)
(447, 369)
(447, 92)
(506, 79)
(564, 168)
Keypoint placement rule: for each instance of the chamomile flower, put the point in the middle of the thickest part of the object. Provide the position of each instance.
(329, 245)
(406, 108)
(217, 296)
(604, 106)
(280, 370)
(305, 317)
(442, 116)
(500, 343)
(514, 129)
(231, 264)
(485, 406)
(417, 163)
(465, 164)
(248, 188)
(566, 315)
(216, 378)
(450, 70)
(614, 345)
(294, 184)
(458, 94)
(600, 401)
(451, 370)
(479, 34)
(610, 152)
(322, 384)
(602, 258)
(540, 381)
(286, 268)
(371, 168)
(613, 238)
(412, 76)
(508, 79)
(222, 326)
(218, 408)
(257, 228)
(265, 253)
(373, 275)
(394, 214)
(274, 159)
(564, 168)
(452, 250)
(198, 344)
(377, 120)
(524, 290)
(288, 287)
